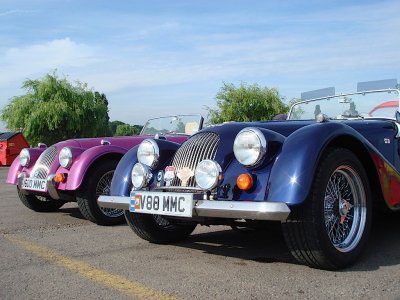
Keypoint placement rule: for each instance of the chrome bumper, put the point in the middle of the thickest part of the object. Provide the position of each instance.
(50, 185)
(273, 211)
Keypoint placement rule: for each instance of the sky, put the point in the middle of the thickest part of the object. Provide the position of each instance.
(157, 58)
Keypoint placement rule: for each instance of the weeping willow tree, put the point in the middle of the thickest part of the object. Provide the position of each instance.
(54, 109)
(246, 103)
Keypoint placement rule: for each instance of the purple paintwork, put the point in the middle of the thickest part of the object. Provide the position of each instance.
(86, 152)
(90, 149)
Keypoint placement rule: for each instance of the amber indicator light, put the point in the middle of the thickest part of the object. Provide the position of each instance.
(59, 177)
(244, 182)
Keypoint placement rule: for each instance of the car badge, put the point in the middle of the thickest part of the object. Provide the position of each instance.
(184, 175)
(169, 175)
(159, 176)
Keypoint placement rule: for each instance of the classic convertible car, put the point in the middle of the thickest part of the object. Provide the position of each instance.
(320, 173)
(81, 169)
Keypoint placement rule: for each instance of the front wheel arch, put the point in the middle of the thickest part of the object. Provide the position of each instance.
(337, 208)
(91, 188)
(356, 146)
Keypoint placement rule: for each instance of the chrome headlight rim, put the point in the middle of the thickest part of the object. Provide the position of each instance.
(261, 147)
(145, 157)
(210, 168)
(65, 157)
(24, 157)
(140, 176)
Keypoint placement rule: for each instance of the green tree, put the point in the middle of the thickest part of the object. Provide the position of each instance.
(246, 103)
(127, 130)
(53, 109)
(101, 99)
(113, 126)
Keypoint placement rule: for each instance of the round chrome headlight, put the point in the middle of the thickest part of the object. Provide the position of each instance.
(65, 157)
(140, 176)
(148, 153)
(207, 174)
(249, 146)
(24, 157)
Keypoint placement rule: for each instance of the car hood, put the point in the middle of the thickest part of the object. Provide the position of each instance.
(126, 142)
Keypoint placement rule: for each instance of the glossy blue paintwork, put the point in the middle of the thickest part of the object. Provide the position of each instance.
(294, 151)
(121, 184)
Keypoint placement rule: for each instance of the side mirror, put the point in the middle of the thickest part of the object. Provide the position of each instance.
(41, 145)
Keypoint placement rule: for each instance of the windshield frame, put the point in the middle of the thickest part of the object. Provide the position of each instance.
(200, 119)
(346, 95)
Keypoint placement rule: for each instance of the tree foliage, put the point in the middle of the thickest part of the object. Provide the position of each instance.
(54, 109)
(246, 103)
(127, 130)
(113, 126)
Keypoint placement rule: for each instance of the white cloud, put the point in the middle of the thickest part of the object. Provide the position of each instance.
(19, 63)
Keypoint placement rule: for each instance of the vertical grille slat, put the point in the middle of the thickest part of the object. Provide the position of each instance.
(44, 162)
(200, 146)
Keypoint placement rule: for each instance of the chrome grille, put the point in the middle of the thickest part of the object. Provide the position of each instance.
(199, 147)
(45, 160)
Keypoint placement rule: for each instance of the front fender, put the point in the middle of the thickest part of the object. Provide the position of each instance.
(16, 167)
(293, 173)
(121, 183)
(80, 167)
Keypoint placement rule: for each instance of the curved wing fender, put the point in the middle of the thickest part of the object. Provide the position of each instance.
(16, 167)
(121, 183)
(293, 171)
(79, 168)
(232, 168)
(14, 170)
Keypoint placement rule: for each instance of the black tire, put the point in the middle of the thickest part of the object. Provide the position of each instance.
(349, 209)
(97, 183)
(158, 229)
(39, 203)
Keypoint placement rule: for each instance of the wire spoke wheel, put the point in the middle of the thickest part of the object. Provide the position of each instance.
(330, 229)
(345, 208)
(103, 188)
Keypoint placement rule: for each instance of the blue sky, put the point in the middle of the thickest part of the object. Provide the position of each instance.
(155, 58)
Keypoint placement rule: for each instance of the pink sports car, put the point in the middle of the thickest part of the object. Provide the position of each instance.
(80, 170)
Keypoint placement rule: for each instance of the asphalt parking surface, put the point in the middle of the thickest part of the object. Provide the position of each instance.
(60, 255)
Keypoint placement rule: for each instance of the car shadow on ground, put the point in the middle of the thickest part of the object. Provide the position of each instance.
(72, 212)
(268, 245)
(383, 246)
(263, 245)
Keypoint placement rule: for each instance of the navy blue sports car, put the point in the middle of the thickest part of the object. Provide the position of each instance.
(321, 173)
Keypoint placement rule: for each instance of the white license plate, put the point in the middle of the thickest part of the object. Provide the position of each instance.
(167, 204)
(34, 184)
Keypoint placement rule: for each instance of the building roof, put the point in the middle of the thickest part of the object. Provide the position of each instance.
(4, 136)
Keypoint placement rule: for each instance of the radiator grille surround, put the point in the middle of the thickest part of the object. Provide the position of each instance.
(203, 145)
(44, 162)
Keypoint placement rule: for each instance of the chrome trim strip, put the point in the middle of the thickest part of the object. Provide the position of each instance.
(51, 187)
(273, 211)
(180, 188)
(117, 202)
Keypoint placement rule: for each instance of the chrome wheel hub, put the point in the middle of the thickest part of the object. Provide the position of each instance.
(345, 208)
